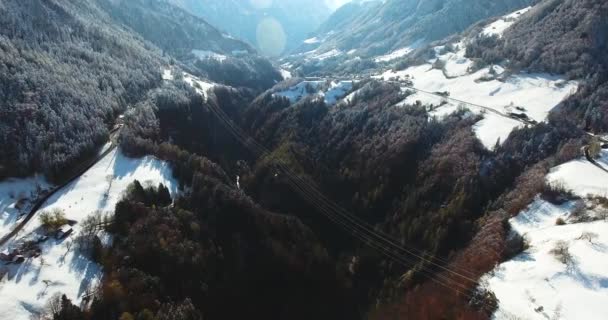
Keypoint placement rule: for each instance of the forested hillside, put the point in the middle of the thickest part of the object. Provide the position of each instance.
(181, 35)
(171, 28)
(69, 68)
(540, 42)
(425, 182)
(67, 71)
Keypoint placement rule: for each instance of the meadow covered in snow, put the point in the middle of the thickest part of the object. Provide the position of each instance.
(26, 287)
(331, 92)
(450, 72)
(563, 273)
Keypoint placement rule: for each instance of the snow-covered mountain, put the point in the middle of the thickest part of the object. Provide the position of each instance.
(377, 28)
(289, 22)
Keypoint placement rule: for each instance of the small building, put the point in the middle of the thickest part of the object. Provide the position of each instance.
(63, 232)
(7, 255)
(18, 259)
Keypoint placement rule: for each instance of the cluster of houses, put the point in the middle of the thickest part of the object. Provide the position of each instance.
(31, 249)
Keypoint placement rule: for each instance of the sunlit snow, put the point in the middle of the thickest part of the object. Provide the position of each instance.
(499, 26)
(330, 92)
(26, 287)
(536, 285)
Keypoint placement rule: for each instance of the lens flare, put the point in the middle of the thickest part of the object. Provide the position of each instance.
(271, 37)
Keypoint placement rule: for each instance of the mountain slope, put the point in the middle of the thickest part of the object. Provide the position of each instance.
(540, 42)
(246, 19)
(199, 46)
(396, 24)
(170, 28)
(67, 72)
(69, 68)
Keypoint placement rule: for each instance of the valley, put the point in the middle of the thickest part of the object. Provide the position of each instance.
(396, 159)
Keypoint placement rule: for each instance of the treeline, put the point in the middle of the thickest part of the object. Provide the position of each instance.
(249, 71)
(63, 81)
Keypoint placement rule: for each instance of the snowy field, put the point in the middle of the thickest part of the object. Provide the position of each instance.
(331, 93)
(499, 26)
(541, 284)
(205, 54)
(450, 71)
(536, 93)
(582, 177)
(400, 52)
(494, 129)
(26, 287)
(536, 284)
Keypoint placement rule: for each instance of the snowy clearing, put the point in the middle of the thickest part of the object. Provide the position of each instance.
(400, 52)
(542, 283)
(285, 74)
(201, 86)
(494, 128)
(167, 74)
(26, 287)
(205, 54)
(499, 26)
(582, 177)
(331, 92)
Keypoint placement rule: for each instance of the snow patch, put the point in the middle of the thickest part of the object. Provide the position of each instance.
(399, 52)
(582, 177)
(285, 74)
(312, 40)
(494, 128)
(202, 87)
(499, 26)
(205, 54)
(167, 74)
(331, 93)
(337, 91)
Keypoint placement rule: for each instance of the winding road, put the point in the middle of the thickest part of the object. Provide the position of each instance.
(81, 169)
